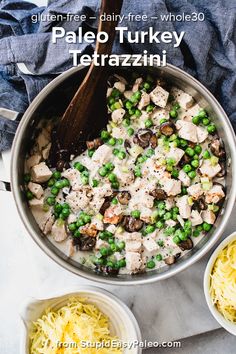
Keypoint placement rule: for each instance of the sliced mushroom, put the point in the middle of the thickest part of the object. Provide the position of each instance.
(167, 128)
(172, 259)
(185, 160)
(86, 243)
(124, 197)
(200, 204)
(186, 245)
(89, 230)
(153, 141)
(107, 270)
(143, 137)
(217, 148)
(159, 194)
(222, 172)
(107, 203)
(94, 144)
(131, 224)
(127, 145)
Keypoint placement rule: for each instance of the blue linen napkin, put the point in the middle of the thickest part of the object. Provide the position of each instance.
(208, 50)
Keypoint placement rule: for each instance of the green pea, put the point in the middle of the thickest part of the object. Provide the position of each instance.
(104, 251)
(187, 224)
(138, 113)
(150, 108)
(160, 243)
(137, 172)
(206, 226)
(149, 229)
(192, 174)
(87, 219)
(195, 163)
(137, 95)
(169, 231)
(146, 85)
(102, 235)
(109, 166)
(110, 264)
(187, 168)
(111, 100)
(151, 264)
(112, 141)
(173, 113)
(198, 149)
(176, 106)
(150, 152)
(29, 195)
(171, 161)
(141, 159)
(84, 180)
(131, 111)
(120, 141)
(200, 228)
(167, 216)
(115, 93)
(135, 214)
(159, 257)
(163, 120)
(65, 213)
(105, 135)
(129, 105)
(51, 182)
(176, 239)
(161, 205)
(121, 245)
(112, 177)
(77, 233)
(148, 123)
(102, 171)
(206, 154)
(175, 173)
(121, 155)
(27, 178)
(211, 128)
(113, 247)
(114, 201)
(72, 226)
(54, 190)
(196, 120)
(95, 183)
(91, 152)
(161, 212)
(79, 166)
(189, 151)
(51, 200)
(202, 113)
(126, 122)
(115, 185)
(205, 121)
(122, 263)
(159, 224)
(184, 191)
(196, 233)
(130, 131)
(169, 168)
(56, 175)
(115, 152)
(58, 208)
(183, 143)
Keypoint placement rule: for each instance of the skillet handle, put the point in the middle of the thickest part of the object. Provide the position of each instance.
(5, 156)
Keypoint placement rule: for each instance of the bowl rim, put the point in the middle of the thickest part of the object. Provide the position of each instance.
(76, 290)
(135, 280)
(230, 327)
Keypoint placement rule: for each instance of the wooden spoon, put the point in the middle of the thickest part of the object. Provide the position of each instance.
(87, 113)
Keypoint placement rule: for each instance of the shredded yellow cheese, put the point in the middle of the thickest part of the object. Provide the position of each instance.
(77, 327)
(223, 282)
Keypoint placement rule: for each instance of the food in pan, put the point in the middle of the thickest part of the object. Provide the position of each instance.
(223, 282)
(144, 192)
(77, 327)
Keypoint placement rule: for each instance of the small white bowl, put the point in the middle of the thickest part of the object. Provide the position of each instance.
(229, 326)
(122, 321)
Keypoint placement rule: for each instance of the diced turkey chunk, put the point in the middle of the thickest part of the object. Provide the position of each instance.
(141, 200)
(89, 230)
(33, 160)
(208, 216)
(150, 245)
(103, 154)
(117, 115)
(71, 218)
(146, 214)
(36, 203)
(215, 194)
(42, 217)
(73, 176)
(187, 130)
(119, 86)
(43, 139)
(202, 134)
(176, 154)
(40, 173)
(133, 261)
(184, 207)
(133, 246)
(100, 243)
(144, 101)
(36, 189)
(70, 248)
(159, 96)
(125, 178)
(45, 151)
(195, 218)
(195, 190)
(128, 94)
(184, 99)
(158, 114)
(98, 224)
(171, 186)
(137, 83)
(207, 169)
(184, 178)
(59, 231)
(77, 200)
(113, 215)
(48, 225)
